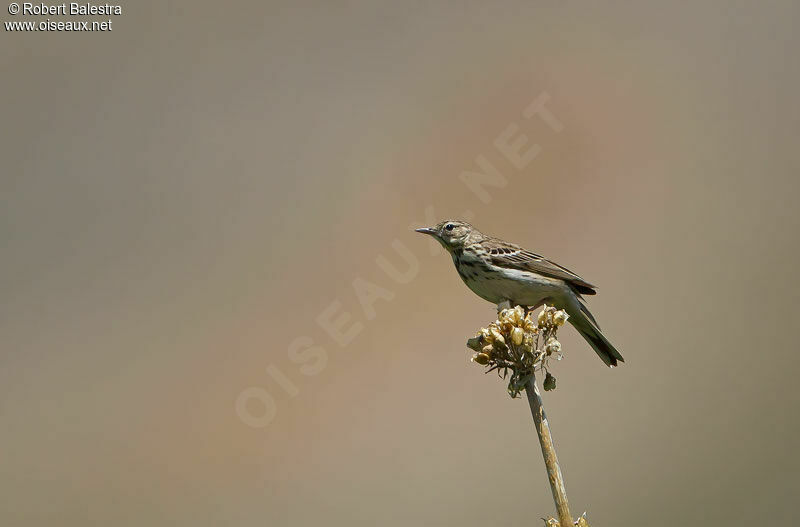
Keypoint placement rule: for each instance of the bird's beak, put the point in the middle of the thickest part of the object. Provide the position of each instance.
(426, 230)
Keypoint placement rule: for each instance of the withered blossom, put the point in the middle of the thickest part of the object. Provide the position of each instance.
(518, 344)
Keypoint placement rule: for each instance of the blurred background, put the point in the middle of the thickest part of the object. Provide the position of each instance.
(184, 199)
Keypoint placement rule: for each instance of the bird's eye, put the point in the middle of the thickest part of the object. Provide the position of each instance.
(449, 226)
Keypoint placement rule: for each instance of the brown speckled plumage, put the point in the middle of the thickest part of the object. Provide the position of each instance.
(505, 273)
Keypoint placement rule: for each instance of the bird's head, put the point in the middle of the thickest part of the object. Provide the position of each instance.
(452, 234)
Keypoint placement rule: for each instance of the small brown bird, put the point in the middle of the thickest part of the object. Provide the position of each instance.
(508, 275)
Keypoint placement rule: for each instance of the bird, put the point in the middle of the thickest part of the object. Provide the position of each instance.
(508, 275)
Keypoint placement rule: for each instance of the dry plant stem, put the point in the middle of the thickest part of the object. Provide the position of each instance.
(549, 454)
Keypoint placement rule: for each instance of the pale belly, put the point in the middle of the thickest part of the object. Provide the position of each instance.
(518, 287)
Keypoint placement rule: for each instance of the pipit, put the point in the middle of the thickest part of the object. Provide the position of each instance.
(508, 275)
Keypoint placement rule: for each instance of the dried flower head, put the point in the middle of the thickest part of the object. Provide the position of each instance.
(517, 343)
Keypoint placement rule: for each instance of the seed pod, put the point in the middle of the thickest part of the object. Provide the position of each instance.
(481, 358)
(496, 336)
(518, 314)
(549, 382)
(553, 346)
(488, 350)
(560, 317)
(529, 325)
(542, 320)
(517, 336)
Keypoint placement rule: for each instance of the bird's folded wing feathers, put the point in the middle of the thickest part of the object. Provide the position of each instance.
(508, 255)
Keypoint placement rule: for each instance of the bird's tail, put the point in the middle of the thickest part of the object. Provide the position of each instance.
(584, 322)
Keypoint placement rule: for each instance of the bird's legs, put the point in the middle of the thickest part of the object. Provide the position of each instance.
(508, 304)
(505, 304)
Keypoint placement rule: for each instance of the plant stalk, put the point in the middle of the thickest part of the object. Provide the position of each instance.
(549, 453)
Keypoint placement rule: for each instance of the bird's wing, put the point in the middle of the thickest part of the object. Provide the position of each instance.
(506, 254)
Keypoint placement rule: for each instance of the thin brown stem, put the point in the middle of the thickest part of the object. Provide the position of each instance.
(549, 453)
